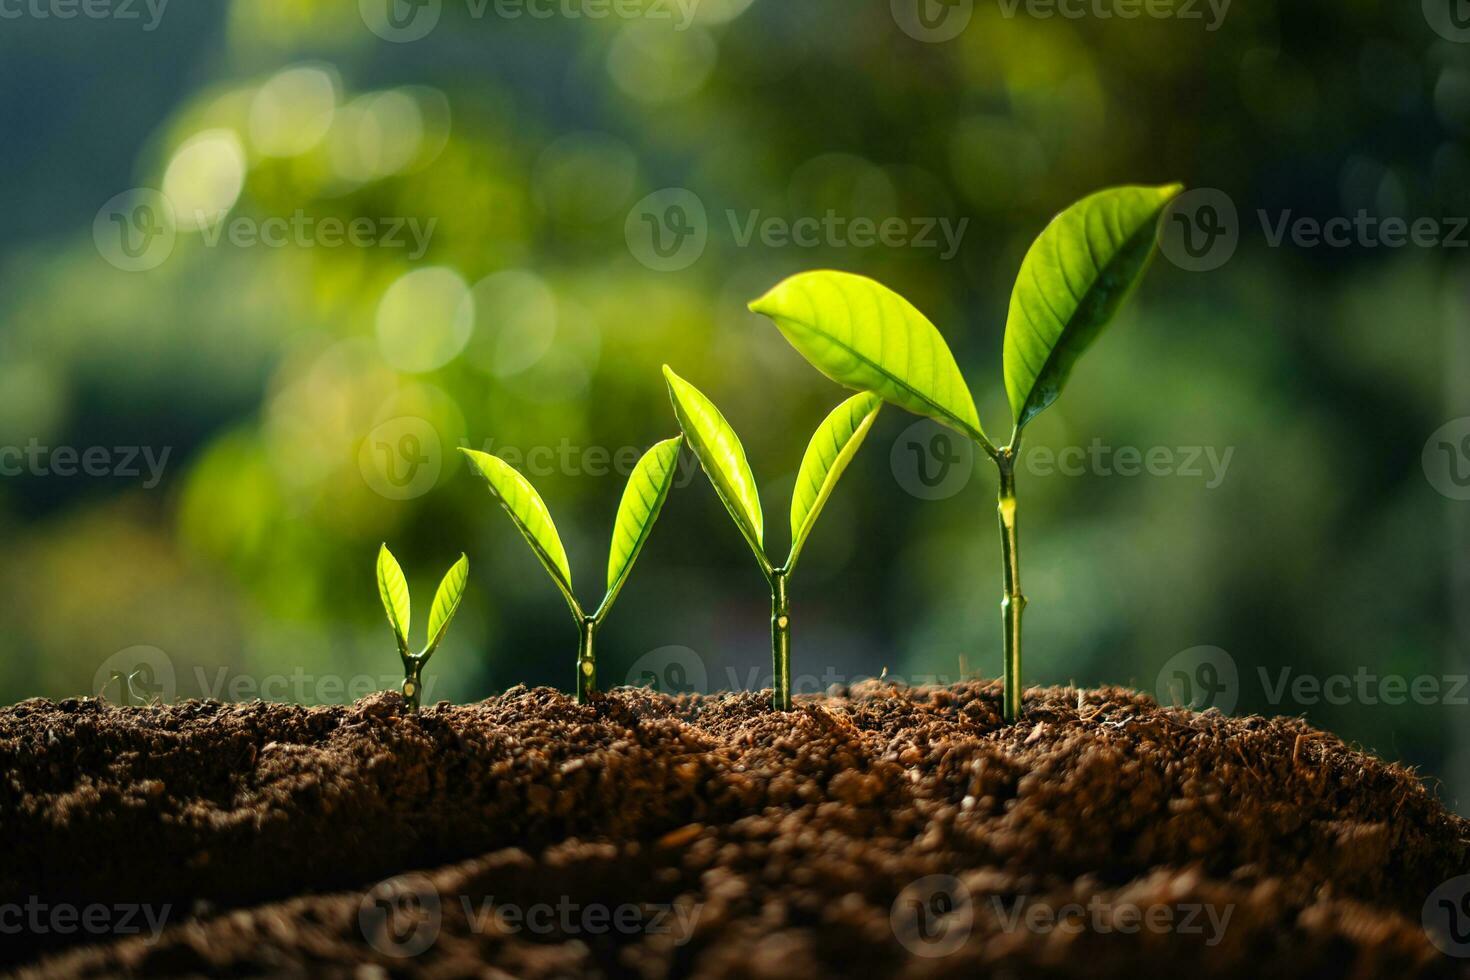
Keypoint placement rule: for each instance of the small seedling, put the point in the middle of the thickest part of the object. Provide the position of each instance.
(643, 498)
(723, 458)
(1073, 280)
(393, 590)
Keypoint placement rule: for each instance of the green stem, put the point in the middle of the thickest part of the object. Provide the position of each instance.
(413, 684)
(587, 661)
(1013, 603)
(780, 642)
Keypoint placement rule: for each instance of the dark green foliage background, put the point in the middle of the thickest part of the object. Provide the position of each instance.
(1325, 549)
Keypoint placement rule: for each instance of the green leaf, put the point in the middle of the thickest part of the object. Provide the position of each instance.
(643, 498)
(446, 602)
(393, 590)
(863, 335)
(833, 446)
(529, 514)
(1072, 281)
(722, 457)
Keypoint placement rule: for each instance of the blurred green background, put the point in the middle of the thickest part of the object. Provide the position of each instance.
(502, 291)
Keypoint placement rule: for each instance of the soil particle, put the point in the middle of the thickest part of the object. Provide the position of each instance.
(878, 830)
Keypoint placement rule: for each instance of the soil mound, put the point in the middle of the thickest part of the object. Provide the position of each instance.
(879, 830)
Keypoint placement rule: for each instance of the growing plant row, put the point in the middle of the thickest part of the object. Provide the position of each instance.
(863, 335)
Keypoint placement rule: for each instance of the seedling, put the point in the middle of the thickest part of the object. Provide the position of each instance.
(1073, 280)
(393, 590)
(643, 498)
(723, 458)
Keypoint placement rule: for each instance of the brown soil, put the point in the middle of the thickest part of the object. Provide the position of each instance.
(645, 836)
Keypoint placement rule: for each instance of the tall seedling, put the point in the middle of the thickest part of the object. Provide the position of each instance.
(1073, 280)
(723, 459)
(393, 591)
(643, 498)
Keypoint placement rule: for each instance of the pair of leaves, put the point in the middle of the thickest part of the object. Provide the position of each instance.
(643, 498)
(723, 459)
(1073, 280)
(393, 590)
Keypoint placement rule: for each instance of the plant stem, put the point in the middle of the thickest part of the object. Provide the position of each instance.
(587, 661)
(1013, 603)
(780, 642)
(413, 669)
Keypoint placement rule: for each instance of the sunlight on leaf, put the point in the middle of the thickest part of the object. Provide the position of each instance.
(393, 590)
(863, 335)
(446, 601)
(833, 446)
(722, 457)
(1072, 282)
(529, 514)
(643, 498)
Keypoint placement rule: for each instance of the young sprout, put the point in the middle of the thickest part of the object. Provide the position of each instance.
(1073, 280)
(723, 458)
(393, 590)
(643, 498)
